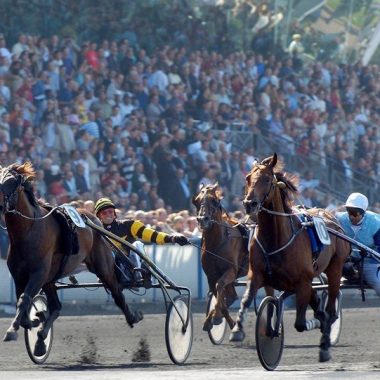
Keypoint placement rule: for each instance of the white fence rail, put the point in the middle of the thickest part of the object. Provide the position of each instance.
(181, 264)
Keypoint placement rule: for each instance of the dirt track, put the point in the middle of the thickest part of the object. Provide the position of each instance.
(105, 342)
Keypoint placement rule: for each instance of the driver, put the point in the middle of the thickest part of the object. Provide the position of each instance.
(132, 231)
(363, 226)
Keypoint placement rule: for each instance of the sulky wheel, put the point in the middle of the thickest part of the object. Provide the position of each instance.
(178, 336)
(218, 332)
(269, 342)
(38, 313)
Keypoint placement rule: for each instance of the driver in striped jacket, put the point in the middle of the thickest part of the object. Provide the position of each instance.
(134, 232)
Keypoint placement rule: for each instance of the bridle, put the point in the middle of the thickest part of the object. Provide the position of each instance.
(214, 207)
(249, 203)
(10, 193)
(261, 208)
(9, 184)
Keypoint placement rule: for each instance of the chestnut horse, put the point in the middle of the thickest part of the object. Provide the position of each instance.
(224, 253)
(37, 253)
(281, 254)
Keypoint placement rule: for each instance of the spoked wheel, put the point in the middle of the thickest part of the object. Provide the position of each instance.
(38, 312)
(178, 337)
(336, 327)
(269, 342)
(218, 332)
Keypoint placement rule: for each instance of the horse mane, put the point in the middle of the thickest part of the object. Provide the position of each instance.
(27, 171)
(228, 218)
(289, 191)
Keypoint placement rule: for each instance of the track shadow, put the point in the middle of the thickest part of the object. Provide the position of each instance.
(299, 346)
(99, 366)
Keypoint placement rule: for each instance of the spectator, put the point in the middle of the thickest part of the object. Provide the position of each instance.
(69, 183)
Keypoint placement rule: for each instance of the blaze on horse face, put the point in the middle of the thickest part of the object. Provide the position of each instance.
(207, 202)
(261, 182)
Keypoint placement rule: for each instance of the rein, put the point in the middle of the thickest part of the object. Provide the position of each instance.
(286, 245)
(277, 213)
(16, 212)
(214, 254)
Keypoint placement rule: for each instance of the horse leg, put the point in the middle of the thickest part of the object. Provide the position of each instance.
(23, 304)
(237, 333)
(303, 297)
(54, 308)
(333, 275)
(315, 304)
(11, 333)
(230, 298)
(110, 282)
(207, 324)
(100, 261)
(227, 278)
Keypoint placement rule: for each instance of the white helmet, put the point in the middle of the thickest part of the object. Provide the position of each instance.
(357, 200)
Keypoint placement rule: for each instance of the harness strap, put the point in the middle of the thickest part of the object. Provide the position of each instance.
(266, 254)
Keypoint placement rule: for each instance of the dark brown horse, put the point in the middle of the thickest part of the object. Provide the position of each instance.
(224, 253)
(37, 253)
(281, 254)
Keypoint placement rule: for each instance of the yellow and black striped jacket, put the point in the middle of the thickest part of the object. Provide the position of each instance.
(132, 230)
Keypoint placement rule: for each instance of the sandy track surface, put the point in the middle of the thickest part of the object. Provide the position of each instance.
(107, 343)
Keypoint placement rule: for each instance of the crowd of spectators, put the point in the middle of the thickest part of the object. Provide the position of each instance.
(109, 119)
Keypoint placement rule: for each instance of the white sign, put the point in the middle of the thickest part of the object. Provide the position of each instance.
(74, 215)
(320, 227)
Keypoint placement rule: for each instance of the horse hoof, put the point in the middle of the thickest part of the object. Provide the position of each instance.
(324, 356)
(207, 326)
(136, 317)
(10, 335)
(217, 321)
(237, 336)
(39, 348)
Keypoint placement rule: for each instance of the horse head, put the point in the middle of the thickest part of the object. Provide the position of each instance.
(207, 203)
(14, 179)
(261, 185)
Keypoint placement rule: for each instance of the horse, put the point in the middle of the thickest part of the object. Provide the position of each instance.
(224, 253)
(37, 256)
(281, 254)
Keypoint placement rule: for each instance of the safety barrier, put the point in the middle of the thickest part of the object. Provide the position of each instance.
(180, 264)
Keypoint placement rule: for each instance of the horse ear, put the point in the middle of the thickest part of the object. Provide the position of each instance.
(274, 160)
(215, 186)
(270, 161)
